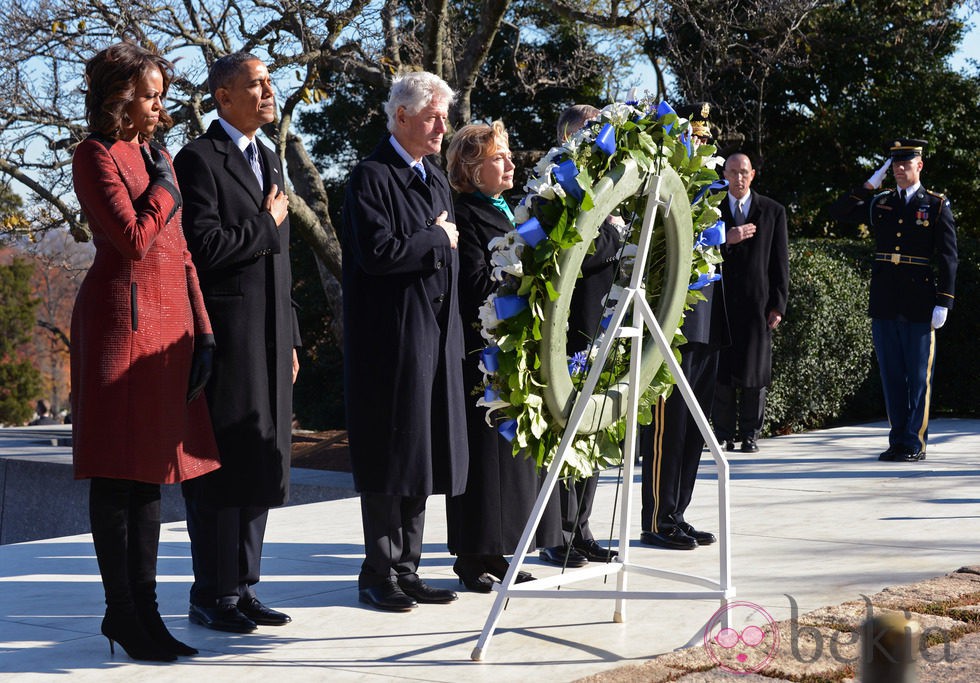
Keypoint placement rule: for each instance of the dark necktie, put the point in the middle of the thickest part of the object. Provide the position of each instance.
(739, 216)
(419, 170)
(252, 154)
(901, 193)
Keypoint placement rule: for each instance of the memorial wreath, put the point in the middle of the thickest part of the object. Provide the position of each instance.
(603, 169)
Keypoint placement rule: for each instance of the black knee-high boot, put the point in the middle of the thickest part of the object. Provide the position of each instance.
(109, 503)
(144, 542)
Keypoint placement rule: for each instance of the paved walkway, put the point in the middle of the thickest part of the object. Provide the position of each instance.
(817, 521)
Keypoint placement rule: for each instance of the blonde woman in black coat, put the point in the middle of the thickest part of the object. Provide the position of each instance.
(486, 522)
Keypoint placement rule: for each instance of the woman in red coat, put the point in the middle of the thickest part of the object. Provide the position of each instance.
(141, 343)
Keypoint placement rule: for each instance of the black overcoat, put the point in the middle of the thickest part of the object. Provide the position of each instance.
(489, 518)
(242, 260)
(756, 274)
(403, 338)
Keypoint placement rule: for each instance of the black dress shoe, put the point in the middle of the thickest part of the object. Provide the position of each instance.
(702, 537)
(260, 614)
(497, 565)
(473, 574)
(387, 596)
(729, 445)
(889, 455)
(423, 592)
(562, 556)
(593, 551)
(909, 455)
(221, 618)
(750, 446)
(671, 538)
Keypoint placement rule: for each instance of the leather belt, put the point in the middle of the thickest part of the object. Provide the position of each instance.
(901, 258)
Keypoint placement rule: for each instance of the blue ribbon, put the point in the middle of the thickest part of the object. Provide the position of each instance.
(565, 174)
(713, 236)
(716, 186)
(531, 231)
(606, 139)
(704, 280)
(662, 110)
(686, 139)
(509, 306)
(508, 429)
(489, 358)
(490, 394)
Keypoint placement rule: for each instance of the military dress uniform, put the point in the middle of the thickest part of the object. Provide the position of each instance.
(914, 271)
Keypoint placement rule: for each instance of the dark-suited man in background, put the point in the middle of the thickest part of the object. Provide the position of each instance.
(914, 233)
(235, 220)
(756, 273)
(585, 311)
(403, 342)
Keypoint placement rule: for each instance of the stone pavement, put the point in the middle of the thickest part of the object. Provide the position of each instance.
(818, 523)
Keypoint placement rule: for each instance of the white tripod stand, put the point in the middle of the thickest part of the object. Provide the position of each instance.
(633, 299)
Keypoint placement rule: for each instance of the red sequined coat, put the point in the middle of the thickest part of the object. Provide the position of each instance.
(133, 327)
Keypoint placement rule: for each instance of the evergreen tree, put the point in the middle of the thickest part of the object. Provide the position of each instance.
(20, 382)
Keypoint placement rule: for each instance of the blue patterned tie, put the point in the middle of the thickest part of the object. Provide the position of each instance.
(419, 170)
(252, 154)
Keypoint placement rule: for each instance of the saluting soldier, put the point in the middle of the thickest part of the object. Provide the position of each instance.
(912, 287)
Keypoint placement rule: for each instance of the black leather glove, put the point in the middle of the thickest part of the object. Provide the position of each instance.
(162, 174)
(200, 366)
(157, 165)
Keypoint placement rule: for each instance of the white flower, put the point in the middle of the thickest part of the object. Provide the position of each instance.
(543, 168)
(618, 113)
(521, 213)
(488, 320)
(545, 188)
(714, 162)
(491, 406)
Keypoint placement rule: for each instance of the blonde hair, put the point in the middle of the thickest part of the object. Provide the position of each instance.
(470, 147)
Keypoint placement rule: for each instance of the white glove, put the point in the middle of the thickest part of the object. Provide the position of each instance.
(879, 176)
(939, 314)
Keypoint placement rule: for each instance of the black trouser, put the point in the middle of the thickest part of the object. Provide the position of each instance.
(226, 549)
(671, 446)
(576, 507)
(733, 405)
(392, 537)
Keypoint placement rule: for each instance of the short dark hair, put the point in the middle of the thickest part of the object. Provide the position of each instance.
(111, 77)
(224, 70)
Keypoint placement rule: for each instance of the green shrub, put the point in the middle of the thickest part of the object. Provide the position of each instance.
(824, 368)
(955, 386)
(822, 352)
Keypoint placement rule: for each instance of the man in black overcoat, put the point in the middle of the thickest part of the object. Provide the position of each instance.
(756, 271)
(403, 342)
(599, 268)
(237, 229)
(912, 288)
